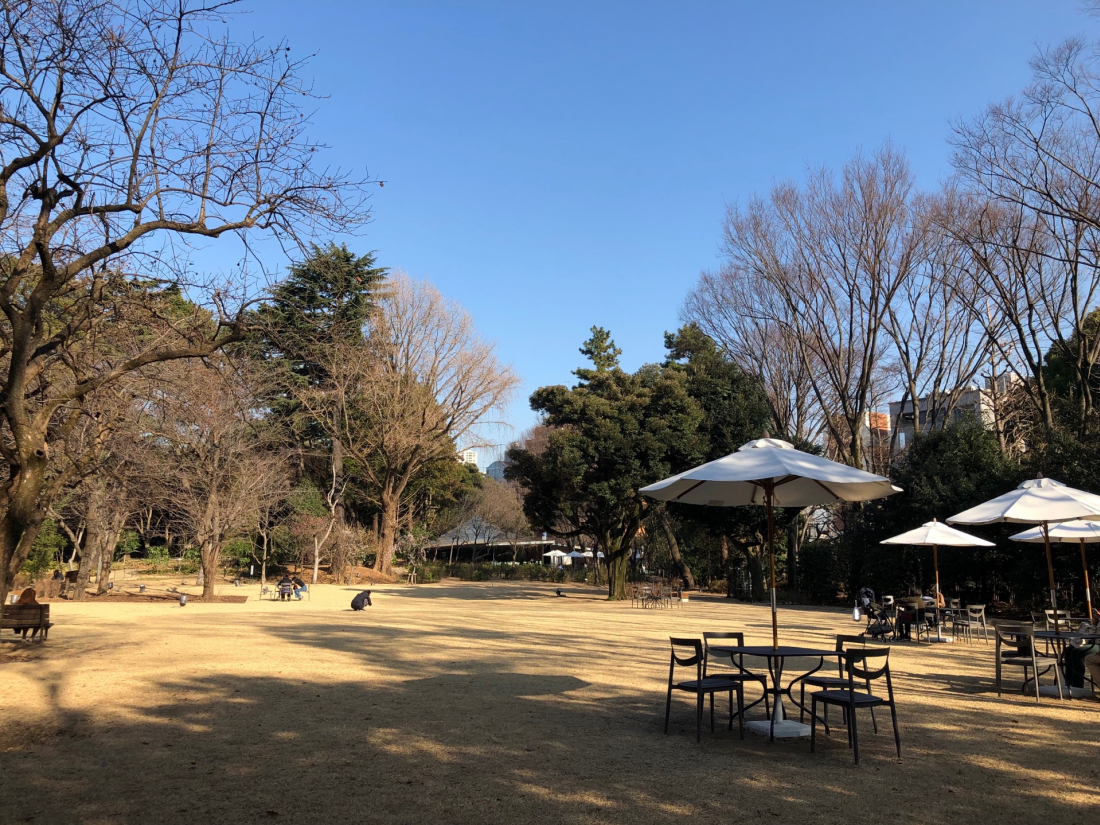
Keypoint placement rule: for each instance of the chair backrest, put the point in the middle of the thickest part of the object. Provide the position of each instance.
(725, 635)
(976, 611)
(887, 601)
(954, 604)
(1063, 617)
(1019, 637)
(844, 643)
(679, 645)
(862, 664)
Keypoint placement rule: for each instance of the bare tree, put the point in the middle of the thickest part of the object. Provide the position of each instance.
(1034, 166)
(202, 436)
(727, 305)
(827, 260)
(423, 380)
(128, 127)
(936, 327)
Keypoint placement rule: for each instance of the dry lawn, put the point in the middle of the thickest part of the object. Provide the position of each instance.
(489, 703)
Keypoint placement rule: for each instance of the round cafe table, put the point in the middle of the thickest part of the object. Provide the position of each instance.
(779, 725)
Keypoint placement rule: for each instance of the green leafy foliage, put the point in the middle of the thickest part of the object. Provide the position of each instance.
(46, 551)
(609, 435)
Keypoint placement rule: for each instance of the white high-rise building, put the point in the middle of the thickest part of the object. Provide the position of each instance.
(467, 457)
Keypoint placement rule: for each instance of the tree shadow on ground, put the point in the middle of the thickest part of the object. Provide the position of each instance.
(486, 743)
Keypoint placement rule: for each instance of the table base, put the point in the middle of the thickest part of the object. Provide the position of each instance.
(784, 728)
(941, 638)
(1067, 692)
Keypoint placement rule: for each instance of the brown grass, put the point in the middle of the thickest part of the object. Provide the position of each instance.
(489, 703)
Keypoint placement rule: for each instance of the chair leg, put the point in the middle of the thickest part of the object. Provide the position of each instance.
(854, 733)
(712, 713)
(730, 725)
(668, 709)
(813, 724)
(874, 722)
(699, 718)
(897, 734)
(741, 711)
(802, 702)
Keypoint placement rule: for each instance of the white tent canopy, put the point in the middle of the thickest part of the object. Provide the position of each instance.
(555, 554)
(574, 554)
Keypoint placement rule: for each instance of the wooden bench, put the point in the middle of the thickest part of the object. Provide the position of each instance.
(24, 617)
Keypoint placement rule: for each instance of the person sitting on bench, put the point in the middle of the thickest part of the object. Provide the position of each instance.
(27, 597)
(286, 588)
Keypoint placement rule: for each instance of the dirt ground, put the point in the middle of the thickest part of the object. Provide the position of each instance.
(495, 702)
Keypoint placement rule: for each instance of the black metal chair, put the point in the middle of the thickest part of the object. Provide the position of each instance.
(702, 686)
(1015, 647)
(739, 671)
(838, 682)
(857, 668)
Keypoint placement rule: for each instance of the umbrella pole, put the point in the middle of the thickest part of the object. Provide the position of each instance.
(1050, 573)
(1088, 595)
(769, 491)
(936, 567)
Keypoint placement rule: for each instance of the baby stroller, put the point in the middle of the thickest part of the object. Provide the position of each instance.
(879, 623)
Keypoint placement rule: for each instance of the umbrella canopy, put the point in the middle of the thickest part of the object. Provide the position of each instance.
(588, 554)
(1035, 501)
(574, 554)
(555, 554)
(1042, 501)
(1068, 532)
(797, 479)
(936, 533)
(773, 473)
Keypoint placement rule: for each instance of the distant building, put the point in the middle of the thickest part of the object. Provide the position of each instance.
(495, 470)
(467, 457)
(974, 402)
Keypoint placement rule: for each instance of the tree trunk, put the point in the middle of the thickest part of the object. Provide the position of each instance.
(383, 562)
(88, 559)
(618, 564)
(754, 556)
(682, 570)
(316, 557)
(727, 564)
(794, 540)
(209, 553)
(23, 517)
(95, 539)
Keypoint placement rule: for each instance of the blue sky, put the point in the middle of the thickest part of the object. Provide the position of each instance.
(558, 165)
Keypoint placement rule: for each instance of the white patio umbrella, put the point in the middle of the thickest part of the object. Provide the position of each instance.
(1068, 532)
(936, 533)
(773, 473)
(1041, 501)
(574, 554)
(588, 554)
(555, 554)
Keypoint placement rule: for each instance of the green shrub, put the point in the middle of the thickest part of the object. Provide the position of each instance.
(45, 551)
